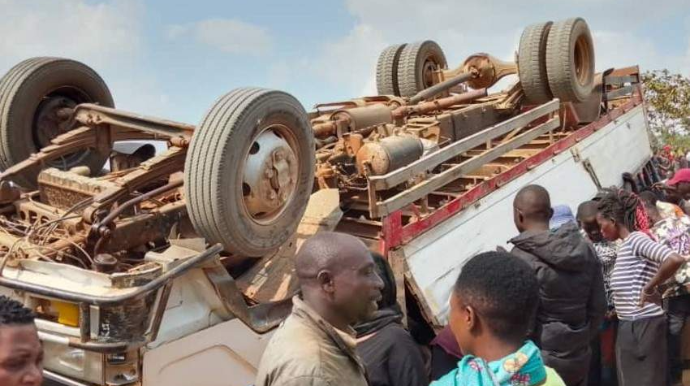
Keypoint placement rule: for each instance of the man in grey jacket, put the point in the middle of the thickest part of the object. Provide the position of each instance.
(316, 344)
(571, 285)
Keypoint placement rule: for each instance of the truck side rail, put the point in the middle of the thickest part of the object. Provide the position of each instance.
(430, 183)
(396, 232)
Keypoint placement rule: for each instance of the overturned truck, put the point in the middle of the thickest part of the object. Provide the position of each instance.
(173, 267)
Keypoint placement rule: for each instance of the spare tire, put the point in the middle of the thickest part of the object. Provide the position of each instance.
(387, 70)
(532, 63)
(570, 60)
(249, 171)
(31, 93)
(417, 63)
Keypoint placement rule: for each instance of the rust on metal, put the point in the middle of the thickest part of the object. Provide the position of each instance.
(439, 104)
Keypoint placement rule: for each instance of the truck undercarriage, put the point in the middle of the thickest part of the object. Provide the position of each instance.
(95, 249)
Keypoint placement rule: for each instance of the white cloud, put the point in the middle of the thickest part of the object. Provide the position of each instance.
(463, 28)
(98, 34)
(349, 61)
(107, 36)
(227, 35)
(619, 49)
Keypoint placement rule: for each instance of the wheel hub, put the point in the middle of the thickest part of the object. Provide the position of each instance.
(270, 176)
(50, 122)
(428, 72)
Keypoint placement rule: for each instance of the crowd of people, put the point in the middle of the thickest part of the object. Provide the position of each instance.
(596, 298)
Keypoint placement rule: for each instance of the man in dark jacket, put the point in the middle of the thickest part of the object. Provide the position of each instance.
(390, 355)
(571, 285)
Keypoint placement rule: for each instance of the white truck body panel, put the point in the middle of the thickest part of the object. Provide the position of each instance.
(226, 354)
(436, 257)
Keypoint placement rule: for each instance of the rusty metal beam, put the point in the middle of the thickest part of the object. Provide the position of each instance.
(90, 114)
(439, 104)
(409, 196)
(397, 177)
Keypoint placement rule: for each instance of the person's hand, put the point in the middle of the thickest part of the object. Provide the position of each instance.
(610, 315)
(650, 295)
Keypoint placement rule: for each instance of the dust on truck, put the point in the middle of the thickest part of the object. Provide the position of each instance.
(173, 268)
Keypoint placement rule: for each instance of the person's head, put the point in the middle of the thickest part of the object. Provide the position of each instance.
(587, 220)
(494, 299)
(532, 208)
(338, 277)
(21, 352)
(389, 292)
(620, 212)
(680, 184)
(388, 302)
(649, 200)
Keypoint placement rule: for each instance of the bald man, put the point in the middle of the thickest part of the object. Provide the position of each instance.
(315, 346)
(571, 286)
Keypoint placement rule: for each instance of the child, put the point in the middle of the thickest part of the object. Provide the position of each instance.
(492, 308)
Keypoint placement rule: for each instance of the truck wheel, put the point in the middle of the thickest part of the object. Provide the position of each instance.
(249, 171)
(31, 94)
(570, 60)
(532, 63)
(387, 70)
(417, 63)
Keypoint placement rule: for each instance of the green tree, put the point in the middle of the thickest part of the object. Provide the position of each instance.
(668, 107)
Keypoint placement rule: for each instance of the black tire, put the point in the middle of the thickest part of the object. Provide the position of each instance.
(214, 170)
(25, 88)
(387, 70)
(532, 63)
(570, 60)
(415, 59)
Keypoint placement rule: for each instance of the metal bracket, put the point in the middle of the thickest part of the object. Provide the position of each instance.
(592, 173)
(262, 317)
(576, 154)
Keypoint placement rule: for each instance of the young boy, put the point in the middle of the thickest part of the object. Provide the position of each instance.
(492, 309)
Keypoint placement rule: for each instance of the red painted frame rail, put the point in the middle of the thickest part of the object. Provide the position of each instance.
(395, 234)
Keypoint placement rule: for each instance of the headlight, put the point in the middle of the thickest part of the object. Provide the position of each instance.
(87, 366)
(72, 362)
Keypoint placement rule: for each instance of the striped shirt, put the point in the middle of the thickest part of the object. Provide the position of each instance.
(638, 260)
(607, 251)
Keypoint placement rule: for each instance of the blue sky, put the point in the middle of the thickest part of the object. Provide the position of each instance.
(174, 58)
